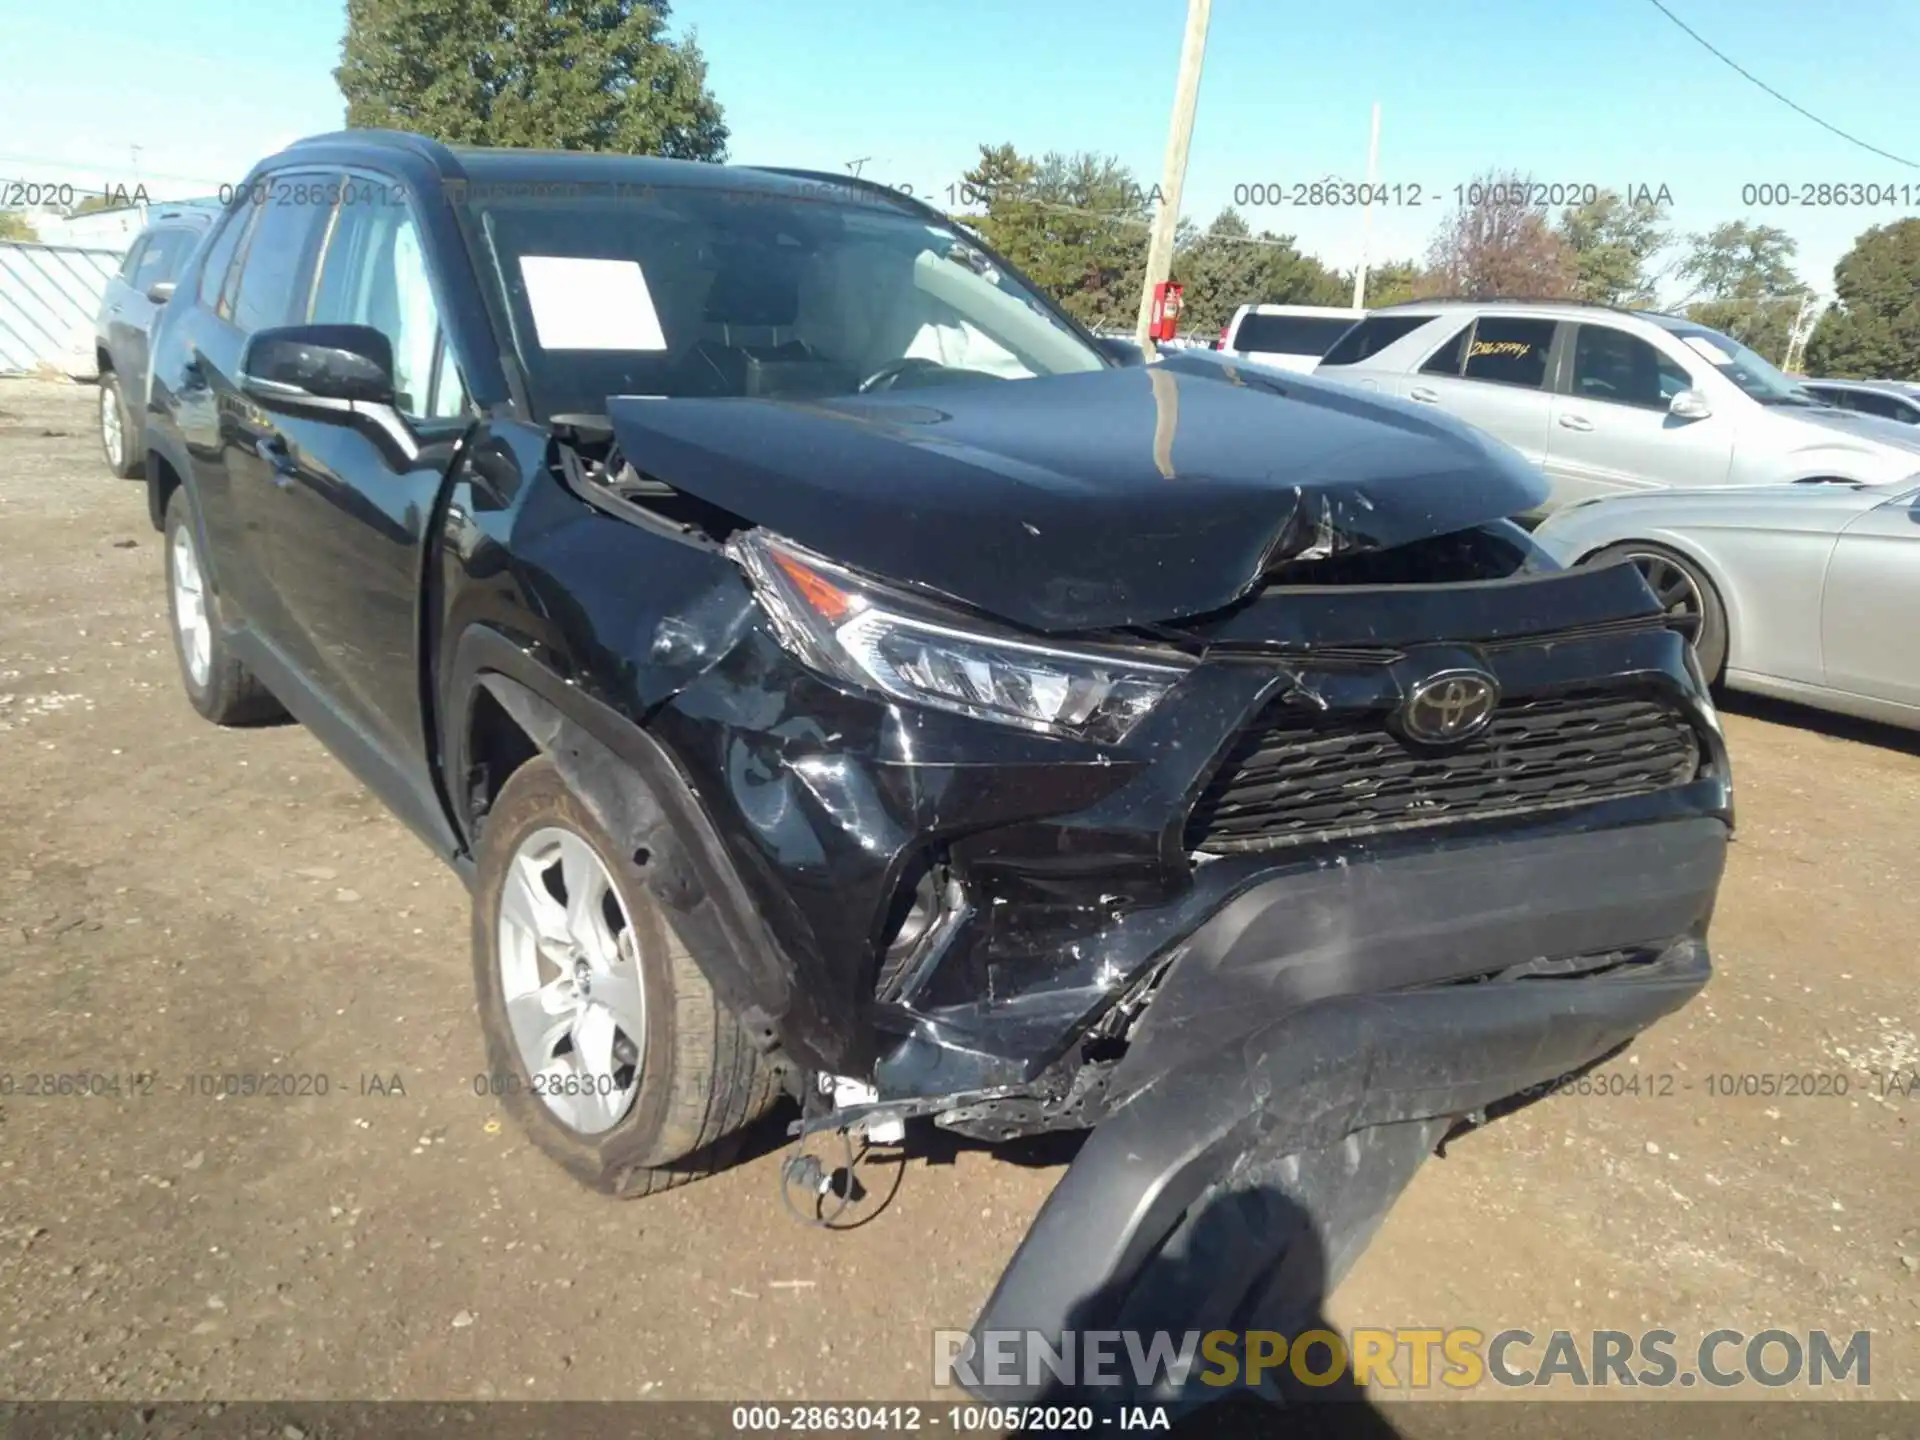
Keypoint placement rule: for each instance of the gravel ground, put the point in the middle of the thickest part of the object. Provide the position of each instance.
(178, 901)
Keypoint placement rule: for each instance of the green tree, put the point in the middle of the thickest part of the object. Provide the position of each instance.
(15, 226)
(1744, 285)
(1391, 282)
(1873, 329)
(1613, 240)
(1226, 266)
(565, 74)
(1076, 224)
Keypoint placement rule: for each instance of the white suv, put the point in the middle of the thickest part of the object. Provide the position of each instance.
(1288, 337)
(1606, 400)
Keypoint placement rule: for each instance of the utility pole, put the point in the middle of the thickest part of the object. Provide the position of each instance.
(1798, 336)
(1186, 97)
(1366, 212)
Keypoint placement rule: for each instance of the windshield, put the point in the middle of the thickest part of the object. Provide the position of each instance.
(697, 292)
(1745, 368)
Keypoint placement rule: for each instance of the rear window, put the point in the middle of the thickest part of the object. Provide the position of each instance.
(1506, 351)
(1371, 336)
(1290, 334)
(165, 256)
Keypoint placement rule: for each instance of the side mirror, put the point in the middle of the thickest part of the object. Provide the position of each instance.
(1690, 405)
(160, 291)
(318, 367)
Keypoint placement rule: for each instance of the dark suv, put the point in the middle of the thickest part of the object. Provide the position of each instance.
(832, 671)
(128, 308)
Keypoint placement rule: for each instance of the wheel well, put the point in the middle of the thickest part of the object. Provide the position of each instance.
(496, 747)
(103, 360)
(1707, 577)
(162, 481)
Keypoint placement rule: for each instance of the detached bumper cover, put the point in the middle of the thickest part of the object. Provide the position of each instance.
(1270, 1038)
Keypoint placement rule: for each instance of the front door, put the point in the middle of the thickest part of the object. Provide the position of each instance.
(1870, 605)
(1612, 431)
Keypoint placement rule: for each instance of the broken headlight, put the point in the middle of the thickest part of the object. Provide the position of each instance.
(849, 627)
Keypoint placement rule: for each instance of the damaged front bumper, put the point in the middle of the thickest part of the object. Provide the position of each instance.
(1316, 1039)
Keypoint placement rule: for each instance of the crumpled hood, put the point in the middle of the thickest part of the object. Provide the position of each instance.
(1091, 501)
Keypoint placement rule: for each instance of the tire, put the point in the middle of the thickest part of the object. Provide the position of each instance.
(1710, 639)
(218, 685)
(118, 440)
(669, 1114)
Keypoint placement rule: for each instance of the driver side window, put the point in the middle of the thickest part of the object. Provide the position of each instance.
(374, 273)
(1609, 364)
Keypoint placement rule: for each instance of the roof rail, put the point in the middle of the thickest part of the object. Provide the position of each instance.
(424, 146)
(855, 182)
(1524, 300)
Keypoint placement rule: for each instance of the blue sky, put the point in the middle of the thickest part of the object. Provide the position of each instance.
(1604, 92)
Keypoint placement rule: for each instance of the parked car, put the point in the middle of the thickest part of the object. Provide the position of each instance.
(779, 613)
(128, 306)
(1288, 337)
(1612, 401)
(1889, 399)
(1806, 592)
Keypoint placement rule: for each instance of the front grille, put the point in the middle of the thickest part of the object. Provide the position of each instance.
(1295, 778)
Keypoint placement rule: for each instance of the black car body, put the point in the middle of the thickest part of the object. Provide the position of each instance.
(1191, 753)
(129, 305)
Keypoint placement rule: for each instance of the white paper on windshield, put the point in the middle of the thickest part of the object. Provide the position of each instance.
(581, 304)
(1703, 346)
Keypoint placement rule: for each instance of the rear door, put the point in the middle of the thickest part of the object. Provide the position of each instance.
(120, 307)
(1494, 374)
(1611, 428)
(355, 501)
(160, 258)
(1870, 605)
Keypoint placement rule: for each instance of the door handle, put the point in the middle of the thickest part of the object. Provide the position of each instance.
(1576, 422)
(1423, 394)
(280, 466)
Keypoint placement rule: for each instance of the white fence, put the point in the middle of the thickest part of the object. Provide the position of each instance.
(49, 296)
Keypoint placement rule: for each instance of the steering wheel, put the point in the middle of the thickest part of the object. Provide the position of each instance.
(890, 374)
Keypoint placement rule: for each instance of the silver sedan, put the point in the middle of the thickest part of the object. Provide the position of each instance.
(1806, 592)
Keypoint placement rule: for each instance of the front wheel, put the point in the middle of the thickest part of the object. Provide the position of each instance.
(604, 1039)
(1684, 592)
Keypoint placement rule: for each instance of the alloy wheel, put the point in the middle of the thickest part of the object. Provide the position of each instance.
(1676, 591)
(190, 615)
(112, 437)
(570, 980)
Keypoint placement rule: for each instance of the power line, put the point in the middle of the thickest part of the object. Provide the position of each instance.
(1791, 105)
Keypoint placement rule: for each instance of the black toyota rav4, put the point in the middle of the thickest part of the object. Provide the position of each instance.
(831, 669)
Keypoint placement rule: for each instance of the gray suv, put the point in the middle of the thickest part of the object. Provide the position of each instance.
(1608, 401)
(128, 307)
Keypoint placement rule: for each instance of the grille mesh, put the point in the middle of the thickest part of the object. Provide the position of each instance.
(1317, 778)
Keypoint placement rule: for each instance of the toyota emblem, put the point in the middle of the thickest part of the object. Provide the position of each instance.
(1449, 707)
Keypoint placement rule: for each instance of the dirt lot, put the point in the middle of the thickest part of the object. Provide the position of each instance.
(179, 900)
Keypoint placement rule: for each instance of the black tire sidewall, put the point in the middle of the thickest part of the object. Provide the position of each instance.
(1711, 646)
(534, 798)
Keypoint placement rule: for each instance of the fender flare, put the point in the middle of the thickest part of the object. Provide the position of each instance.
(634, 789)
